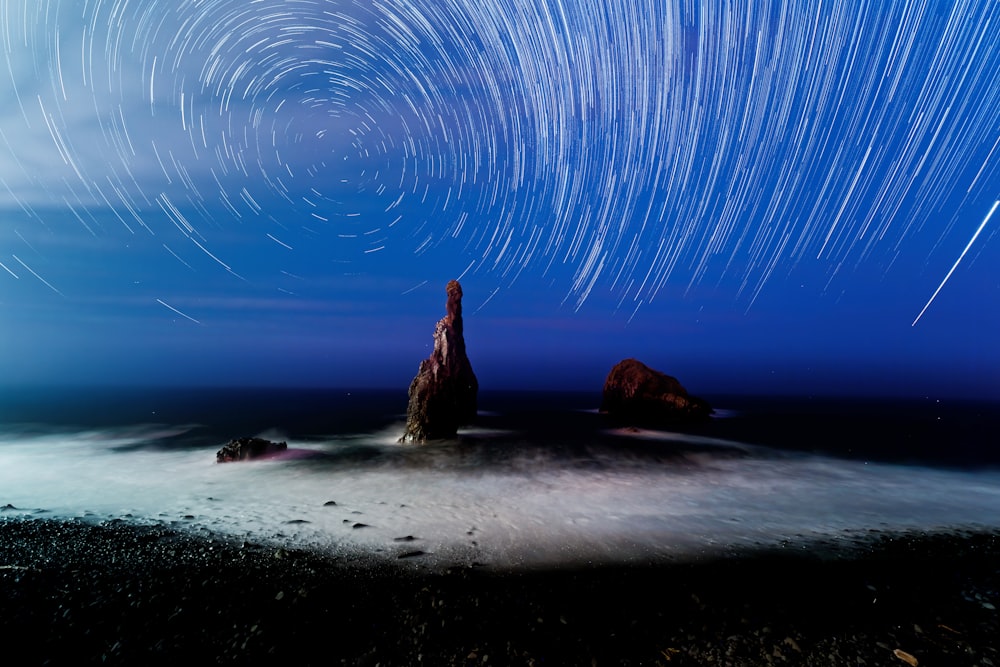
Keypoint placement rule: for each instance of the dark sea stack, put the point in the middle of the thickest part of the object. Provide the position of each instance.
(246, 449)
(635, 392)
(443, 394)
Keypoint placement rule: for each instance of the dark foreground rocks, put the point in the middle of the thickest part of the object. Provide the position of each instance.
(635, 392)
(246, 449)
(443, 395)
(115, 593)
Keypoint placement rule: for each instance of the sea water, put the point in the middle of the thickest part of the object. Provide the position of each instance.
(540, 479)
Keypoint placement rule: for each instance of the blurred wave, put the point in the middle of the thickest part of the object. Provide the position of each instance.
(534, 482)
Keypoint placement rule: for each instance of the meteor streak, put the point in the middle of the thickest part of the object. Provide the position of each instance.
(960, 257)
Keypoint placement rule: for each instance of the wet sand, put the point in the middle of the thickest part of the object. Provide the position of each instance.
(117, 593)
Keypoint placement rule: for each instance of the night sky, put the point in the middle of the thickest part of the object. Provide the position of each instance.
(786, 197)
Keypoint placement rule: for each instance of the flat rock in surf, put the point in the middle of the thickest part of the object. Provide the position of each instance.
(247, 449)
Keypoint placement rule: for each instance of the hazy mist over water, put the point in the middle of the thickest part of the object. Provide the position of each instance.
(540, 479)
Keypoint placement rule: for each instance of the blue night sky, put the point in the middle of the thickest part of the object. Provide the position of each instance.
(782, 197)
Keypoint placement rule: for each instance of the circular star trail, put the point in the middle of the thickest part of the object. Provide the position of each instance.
(624, 147)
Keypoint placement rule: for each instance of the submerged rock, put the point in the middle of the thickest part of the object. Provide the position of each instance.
(636, 392)
(245, 449)
(443, 395)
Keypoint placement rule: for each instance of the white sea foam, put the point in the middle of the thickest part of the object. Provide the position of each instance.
(529, 511)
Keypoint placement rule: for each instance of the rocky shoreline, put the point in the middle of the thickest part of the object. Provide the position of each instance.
(73, 592)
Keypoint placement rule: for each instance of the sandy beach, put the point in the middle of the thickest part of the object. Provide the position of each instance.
(75, 592)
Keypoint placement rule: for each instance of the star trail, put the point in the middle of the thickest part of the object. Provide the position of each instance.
(653, 165)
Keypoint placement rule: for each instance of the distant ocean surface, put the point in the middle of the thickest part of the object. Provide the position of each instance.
(540, 479)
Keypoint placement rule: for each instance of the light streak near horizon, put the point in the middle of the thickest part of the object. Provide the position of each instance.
(5, 268)
(957, 261)
(169, 307)
(32, 272)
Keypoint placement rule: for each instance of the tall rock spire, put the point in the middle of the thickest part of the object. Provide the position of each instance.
(443, 394)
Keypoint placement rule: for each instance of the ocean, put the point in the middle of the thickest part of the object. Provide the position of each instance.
(542, 479)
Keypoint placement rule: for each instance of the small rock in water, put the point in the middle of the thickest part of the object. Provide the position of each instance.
(410, 554)
(245, 449)
(408, 538)
(361, 525)
(330, 503)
